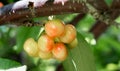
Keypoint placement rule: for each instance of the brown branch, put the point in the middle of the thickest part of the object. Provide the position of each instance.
(46, 10)
(113, 12)
(77, 19)
(99, 4)
(115, 8)
(60, 67)
(98, 28)
(115, 4)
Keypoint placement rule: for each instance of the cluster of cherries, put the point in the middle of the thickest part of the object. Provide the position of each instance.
(52, 43)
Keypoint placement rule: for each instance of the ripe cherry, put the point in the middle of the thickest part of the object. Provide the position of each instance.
(74, 43)
(54, 28)
(69, 35)
(45, 55)
(45, 43)
(59, 51)
(1, 4)
(31, 47)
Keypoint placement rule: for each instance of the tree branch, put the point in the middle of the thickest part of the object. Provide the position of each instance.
(99, 4)
(115, 7)
(77, 19)
(115, 4)
(112, 13)
(21, 15)
(98, 29)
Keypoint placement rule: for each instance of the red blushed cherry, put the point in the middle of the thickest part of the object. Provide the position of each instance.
(60, 52)
(54, 28)
(1, 4)
(69, 34)
(45, 43)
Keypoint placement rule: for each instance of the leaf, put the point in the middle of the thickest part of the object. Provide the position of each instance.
(20, 68)
(5, 63)
(80, 58)
(109, 2)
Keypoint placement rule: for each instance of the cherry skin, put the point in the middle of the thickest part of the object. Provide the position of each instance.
(60, 52)
(1, 4)
(45, 55)
(31, 47)
(54, 28)
(74, 43)
(69, 34)
(45, 43)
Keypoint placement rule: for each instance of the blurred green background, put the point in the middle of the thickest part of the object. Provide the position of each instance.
(106, 48)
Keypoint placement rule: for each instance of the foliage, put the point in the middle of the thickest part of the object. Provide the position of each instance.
(6, 64)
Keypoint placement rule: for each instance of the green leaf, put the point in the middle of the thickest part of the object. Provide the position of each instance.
(109, 2)
(80, 58)
(6, 64)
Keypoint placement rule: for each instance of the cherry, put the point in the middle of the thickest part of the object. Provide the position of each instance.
(69, 35)
(45, 55)
(74, 43)
(45, 43)
(31, 47)
(1, 4)
(54, 28)
(59, 51)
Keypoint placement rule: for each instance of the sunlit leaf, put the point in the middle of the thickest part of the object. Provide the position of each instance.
(5, 63)
(80, 58)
